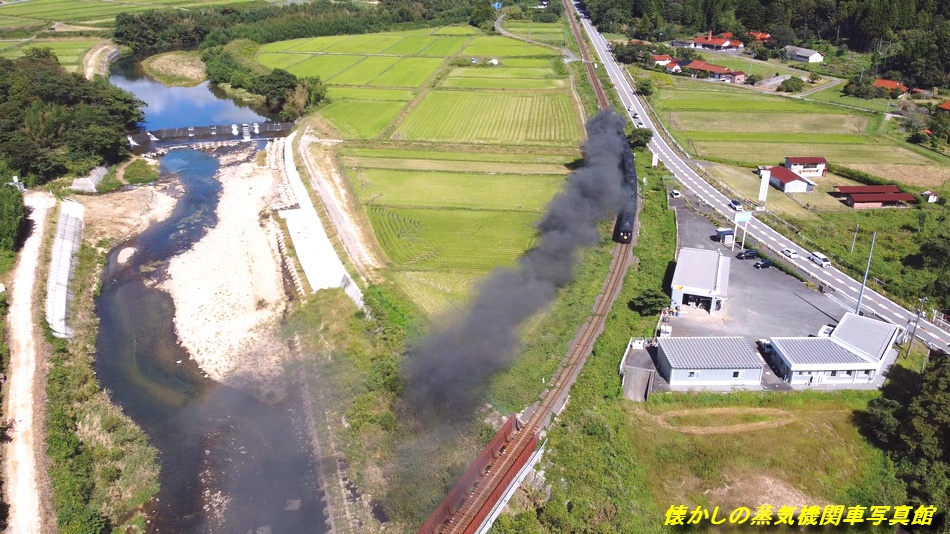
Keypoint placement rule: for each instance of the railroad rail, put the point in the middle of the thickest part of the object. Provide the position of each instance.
(473, 510)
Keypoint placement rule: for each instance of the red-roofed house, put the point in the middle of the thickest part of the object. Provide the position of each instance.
(867, 189)
(758, 36)
(662, 60)
(717, 72)
(713, 43)
(807, 166)
(726, 35)
(786, 181)
(945, 106)
(890, 85)
(675, 65)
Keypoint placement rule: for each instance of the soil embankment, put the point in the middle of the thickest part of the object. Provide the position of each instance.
(228, 289)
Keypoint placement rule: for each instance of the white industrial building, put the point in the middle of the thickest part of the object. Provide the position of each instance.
(807, 166)
(698, 362)
(854, 353)
(701, 280)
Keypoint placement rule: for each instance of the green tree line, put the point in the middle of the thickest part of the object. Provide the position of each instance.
(53, 122)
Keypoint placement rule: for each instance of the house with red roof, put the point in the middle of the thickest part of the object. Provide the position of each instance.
(675, 65)
(662, 60)
(758, 36)
(717, 72)
(945, 106)
(807, 166)
(786, 181)
(709, 42)
(890, 85)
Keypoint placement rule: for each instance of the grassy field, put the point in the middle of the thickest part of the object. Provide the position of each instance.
(750, 65)
(69, 51)
(834, 95)
(361, 119)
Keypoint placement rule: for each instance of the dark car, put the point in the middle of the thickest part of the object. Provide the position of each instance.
(763, 264)
(748, 254)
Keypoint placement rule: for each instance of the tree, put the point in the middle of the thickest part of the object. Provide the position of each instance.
(793, 84)
(649, 302)
(753, 79)
(639, 138)
(645, 86)
(40, 52)
(276, 88)
(12, 213)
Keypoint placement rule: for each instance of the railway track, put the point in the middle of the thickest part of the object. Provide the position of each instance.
(462, 521)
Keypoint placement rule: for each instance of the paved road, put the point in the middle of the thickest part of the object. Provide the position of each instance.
(844, 288)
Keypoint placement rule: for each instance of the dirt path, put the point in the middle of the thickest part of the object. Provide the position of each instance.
(20, 458)
(782, 418)
(96, 61)
(357, 239)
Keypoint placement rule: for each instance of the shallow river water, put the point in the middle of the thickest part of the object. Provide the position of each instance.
(228, 462)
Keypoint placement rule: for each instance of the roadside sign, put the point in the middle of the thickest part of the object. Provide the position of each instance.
(743, 217)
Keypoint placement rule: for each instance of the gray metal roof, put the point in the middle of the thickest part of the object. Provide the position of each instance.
(868, 336)
(815, 351)
(710, 353)
(704, 270)
(799, 51)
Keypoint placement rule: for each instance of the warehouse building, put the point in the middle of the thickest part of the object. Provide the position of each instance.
(701, 280)
(717, 362)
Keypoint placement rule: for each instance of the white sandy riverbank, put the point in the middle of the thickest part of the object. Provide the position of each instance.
(228, 290)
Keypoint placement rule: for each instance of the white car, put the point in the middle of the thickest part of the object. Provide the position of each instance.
(789, 252)
(735, 204)
(630, 108)
(675, 193)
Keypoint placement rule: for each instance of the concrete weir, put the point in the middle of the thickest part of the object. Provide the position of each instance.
(68, 237)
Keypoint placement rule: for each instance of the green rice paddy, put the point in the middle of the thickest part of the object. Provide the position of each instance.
(508, 118)
(444, 212)
(33, 12)
(69, 52)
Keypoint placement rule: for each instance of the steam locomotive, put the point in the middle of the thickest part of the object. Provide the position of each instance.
(623, 229)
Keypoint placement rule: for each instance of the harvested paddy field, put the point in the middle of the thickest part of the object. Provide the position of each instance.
(452, 161)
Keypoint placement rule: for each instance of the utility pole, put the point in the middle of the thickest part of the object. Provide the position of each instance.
(855, 240)
(864, 284)
(913, 333)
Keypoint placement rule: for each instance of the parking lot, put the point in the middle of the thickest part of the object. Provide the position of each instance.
(761, 303)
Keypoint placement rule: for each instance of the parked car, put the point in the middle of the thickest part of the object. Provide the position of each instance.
(748, 254)
(789, 252)
(765, 346)
(675, 193)
(763, 264)
(735, 204)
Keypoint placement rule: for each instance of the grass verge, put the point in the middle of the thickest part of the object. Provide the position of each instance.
(102, 469)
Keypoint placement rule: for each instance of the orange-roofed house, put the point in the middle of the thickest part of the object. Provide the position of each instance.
(662, 60)
(945, 106)
(758, 36)
(717, 72)
(714, 43)
(890, 85)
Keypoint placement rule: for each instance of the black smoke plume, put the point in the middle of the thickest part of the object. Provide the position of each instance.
(448, 370)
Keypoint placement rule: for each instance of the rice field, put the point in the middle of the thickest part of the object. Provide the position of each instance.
(436, 292)
(409, 72)
(325, 67)
(493, 83)
(359, 119)
(457, 30)
(364, 71)
(553, 33)
(488, 167)
(88, 11)
(372, 43)
(487, 117)
(69, 52)
(280, 61)
(445, 46)
(452, 239)
(411, 45)
(364, 93)
(470, 190)
(480, 156)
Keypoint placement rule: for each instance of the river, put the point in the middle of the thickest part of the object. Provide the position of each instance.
(228, 462)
